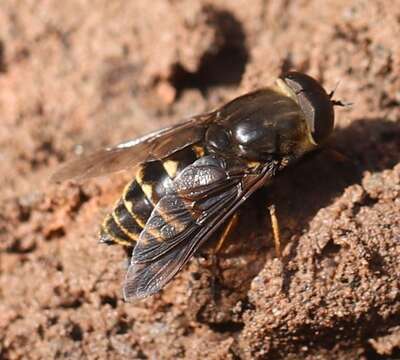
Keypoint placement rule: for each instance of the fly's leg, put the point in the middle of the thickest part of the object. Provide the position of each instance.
(229, 227)
(275, 230)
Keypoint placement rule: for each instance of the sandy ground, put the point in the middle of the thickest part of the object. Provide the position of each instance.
(81, 74)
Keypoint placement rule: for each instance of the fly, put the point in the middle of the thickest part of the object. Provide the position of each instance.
(192, 177)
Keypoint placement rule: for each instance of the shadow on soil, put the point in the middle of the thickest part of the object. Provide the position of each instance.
(222, 65)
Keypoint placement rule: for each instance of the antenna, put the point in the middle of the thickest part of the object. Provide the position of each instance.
(345, 104)
(334, 89)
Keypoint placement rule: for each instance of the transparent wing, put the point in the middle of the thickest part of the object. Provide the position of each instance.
(205, 194)
(156, 145)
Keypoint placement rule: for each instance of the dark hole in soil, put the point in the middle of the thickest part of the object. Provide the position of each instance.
(122, 327)
(71, 303)
(221, 66)
(330, 249)
(376, 262)
(20, 247)
(55, 233)
(3, 66)
(110, 300)
(76, 333)
(227, 326)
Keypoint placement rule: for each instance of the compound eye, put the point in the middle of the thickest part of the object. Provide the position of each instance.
(315, 104)
(318, 117)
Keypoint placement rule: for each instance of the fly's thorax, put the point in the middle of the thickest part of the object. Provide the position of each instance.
(260, 125)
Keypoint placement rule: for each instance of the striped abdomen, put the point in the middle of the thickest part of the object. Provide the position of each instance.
(125, 223)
